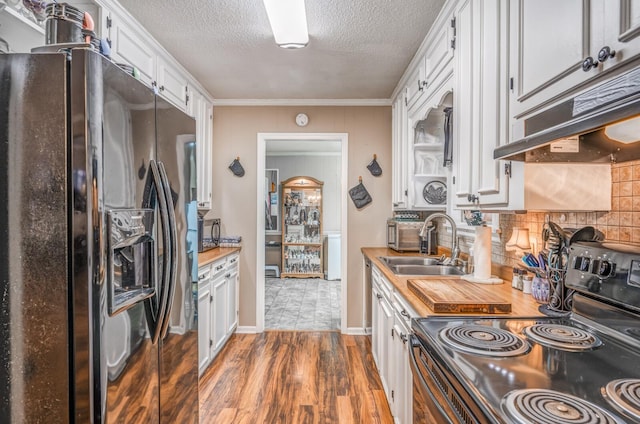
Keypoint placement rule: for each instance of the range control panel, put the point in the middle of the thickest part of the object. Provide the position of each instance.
(607, 270)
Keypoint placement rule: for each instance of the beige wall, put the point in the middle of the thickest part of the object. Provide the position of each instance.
(235, 130)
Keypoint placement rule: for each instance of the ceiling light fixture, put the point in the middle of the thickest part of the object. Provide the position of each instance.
(288, 21)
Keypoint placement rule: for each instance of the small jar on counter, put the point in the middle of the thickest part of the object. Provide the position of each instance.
(514, 279)
(526, 284)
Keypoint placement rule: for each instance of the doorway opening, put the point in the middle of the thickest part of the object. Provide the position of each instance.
(317, 303)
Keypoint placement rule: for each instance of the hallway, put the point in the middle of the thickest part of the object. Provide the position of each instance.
(302, 304)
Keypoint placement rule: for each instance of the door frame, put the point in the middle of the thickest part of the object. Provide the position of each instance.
(262, 139)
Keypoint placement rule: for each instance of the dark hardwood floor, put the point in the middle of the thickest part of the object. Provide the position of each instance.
(293, 377)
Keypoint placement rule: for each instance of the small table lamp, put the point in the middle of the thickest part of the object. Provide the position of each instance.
(519, 241)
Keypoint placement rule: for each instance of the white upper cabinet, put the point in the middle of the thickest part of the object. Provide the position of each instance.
(480, 103)
(172, 84)
(399, 152)
(434, 66)
(202, 110)
(130, 46)
(417, 161)
(416, 83)
(560, 46)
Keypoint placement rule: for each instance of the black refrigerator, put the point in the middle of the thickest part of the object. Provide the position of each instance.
(98, 245)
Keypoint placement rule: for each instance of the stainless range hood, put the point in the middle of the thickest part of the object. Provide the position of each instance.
(574, 130)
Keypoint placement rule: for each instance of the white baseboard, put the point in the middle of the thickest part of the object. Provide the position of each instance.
(246, 330)
(357, 331)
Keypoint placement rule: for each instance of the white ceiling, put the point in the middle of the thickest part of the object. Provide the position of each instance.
(358, 49)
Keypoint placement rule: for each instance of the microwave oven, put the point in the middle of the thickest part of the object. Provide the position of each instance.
(403, 236)
(208, 234)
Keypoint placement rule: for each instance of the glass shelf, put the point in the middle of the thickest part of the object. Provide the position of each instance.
(302, 228)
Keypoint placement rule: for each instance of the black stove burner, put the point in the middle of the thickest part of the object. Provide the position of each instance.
(483, 340)
(624, 395)
(542, 406)
(562, 337)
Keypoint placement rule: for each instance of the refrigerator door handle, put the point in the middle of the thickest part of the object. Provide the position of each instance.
(155, 309)
(173, 236)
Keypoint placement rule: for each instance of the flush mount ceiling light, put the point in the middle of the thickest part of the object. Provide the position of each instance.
(288, 21)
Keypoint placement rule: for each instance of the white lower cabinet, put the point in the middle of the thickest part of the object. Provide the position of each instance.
(217, 307)
(218, 323)
(204, 317)
(390, 346)
(402, 382)
(232, 293)
(381, 326)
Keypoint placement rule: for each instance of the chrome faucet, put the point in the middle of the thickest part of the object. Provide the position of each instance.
(426, 229)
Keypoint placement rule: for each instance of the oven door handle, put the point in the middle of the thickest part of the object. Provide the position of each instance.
(417, 373)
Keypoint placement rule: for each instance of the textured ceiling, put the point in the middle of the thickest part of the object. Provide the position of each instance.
(358, 49)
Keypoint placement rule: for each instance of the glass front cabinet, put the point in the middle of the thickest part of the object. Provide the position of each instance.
(302, 228)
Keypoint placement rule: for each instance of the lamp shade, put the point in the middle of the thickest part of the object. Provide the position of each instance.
(519, 240)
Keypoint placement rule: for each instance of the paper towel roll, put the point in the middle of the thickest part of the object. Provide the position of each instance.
(482, 253)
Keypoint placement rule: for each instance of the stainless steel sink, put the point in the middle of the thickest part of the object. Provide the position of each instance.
(410, 260)
(419, 266)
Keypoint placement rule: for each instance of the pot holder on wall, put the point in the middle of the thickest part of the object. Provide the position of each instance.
(374, 167)
(236, 167)
(360, 195)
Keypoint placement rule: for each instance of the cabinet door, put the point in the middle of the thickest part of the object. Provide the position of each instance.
(172, 84)
(415, 87)
(482, 120)
(204, 325)
(375, 322)
(386, 321)
(396, 379)
(622, 26)
(463, 130)
(232, 292)
(219, 313)
(129, 47)
(203, 113)
(550, 40)
(406, 382)
(399, 152)
(438, 56)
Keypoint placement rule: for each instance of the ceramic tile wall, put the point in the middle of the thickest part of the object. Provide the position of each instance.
(622, 223)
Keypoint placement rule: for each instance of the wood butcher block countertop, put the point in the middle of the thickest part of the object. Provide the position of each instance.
(521, 304)
(213, 255)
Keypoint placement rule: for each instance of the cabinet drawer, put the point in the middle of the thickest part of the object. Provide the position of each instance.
(233, 263)
(403, 309)
(218, 267)
(204, 273)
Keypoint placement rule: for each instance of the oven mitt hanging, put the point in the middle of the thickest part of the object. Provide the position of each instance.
(236, 167)
(360, 195)
(374, 167)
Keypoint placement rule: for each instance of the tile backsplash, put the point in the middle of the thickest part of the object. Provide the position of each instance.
(621, 224)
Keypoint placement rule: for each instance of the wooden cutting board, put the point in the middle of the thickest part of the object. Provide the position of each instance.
(458, 296)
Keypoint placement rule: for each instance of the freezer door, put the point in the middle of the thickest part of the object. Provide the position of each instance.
(179, 344)
(117, 240)
(34, 260)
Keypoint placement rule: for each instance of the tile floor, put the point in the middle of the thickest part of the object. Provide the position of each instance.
(302, 304)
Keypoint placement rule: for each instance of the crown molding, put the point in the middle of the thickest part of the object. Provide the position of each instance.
(302, 102)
